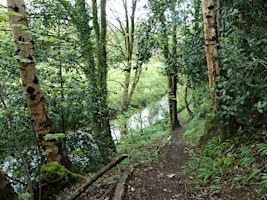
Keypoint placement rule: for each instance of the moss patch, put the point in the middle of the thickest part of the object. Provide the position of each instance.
(55, 178)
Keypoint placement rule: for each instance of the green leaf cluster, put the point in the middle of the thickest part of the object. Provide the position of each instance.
(55, 136)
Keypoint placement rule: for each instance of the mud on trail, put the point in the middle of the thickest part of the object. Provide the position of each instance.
(164, 179)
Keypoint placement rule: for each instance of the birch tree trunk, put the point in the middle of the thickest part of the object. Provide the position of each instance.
(211, 35)
(24, 50)
(211, 43)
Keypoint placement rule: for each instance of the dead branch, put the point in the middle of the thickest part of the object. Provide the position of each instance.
(121, 186)
(97, 176)
(107, 193)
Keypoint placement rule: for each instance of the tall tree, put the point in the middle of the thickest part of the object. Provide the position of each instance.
(94, 56)
(173, 76)
(107, 144)
(129, 38)
(34, 96)
(169, 48)
(211, 43)
(133, 43)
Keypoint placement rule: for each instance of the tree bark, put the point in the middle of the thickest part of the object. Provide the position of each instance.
(34, 96)
(104, 137)
(186, 101)
(6, 190)
(173, 76)
(211, 43)
(170, 55)
(128, 92)
(173, 102)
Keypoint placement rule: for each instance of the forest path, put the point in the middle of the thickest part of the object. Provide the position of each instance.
(164, 179)
(160, 180)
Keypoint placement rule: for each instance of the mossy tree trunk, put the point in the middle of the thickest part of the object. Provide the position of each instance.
(106, 143)
(170, 55)
(24, 50)
(93, 50)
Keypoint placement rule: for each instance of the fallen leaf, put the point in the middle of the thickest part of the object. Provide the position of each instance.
(171, 175)
(131, 189)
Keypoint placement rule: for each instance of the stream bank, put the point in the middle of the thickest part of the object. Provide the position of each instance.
(144, 118)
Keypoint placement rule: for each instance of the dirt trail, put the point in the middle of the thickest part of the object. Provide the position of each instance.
(163, 180)
(159, 181)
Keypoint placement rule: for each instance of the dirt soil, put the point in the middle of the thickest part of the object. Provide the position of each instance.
(159, 181)
(163, 179)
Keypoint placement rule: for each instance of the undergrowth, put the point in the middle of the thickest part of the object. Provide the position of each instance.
(140, 145)
(238, 163)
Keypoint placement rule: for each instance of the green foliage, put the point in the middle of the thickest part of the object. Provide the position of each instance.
(82, 151)
(151, 87)
(22, 60)
(195, 130)
(25, 196)
(262, 149)
(57, 177)
(200, 127)
(241, 88)
(135, 144)
(264, 180)
(235, 162)
(55, 136)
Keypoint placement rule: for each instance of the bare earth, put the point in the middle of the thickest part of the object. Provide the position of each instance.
(164, 179)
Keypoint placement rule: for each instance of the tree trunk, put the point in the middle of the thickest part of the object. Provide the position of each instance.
(211, 43)
(128, 92)
(211, 35)
(173, 102)
(103, 137)
(104, 114)
(186, 101)
(170, 55)
(6, 190)
(34, 96)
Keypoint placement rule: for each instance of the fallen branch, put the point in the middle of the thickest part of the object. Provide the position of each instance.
(96, 176)
(107, 193)
(121, 186)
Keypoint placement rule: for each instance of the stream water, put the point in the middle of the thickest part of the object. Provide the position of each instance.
(144, 118)
(141, 119)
